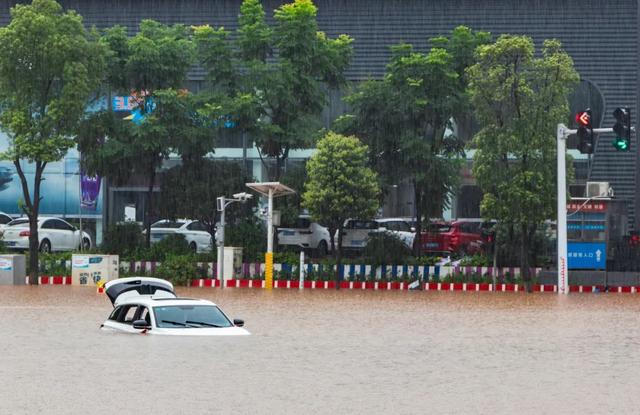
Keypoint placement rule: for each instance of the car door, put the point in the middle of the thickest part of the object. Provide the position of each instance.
(197, 231)
(49, 230)
(70, 234)
(122, 317)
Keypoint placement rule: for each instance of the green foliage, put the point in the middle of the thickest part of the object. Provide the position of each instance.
(340, 184)
(519, 98)
(278, 100)
(169, 246)
(406, 118)
(49, 67)
(385, 248)
(179, 269)
(190, 191)
(249, 234)
(123, 239)
(477, 260)
(287, 257)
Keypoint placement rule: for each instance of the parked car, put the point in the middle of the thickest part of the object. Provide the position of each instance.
(150, 306)
(195, 233)
(306, 234)
(461, 237)
(355, 232)
(4, 220)
(54, 234)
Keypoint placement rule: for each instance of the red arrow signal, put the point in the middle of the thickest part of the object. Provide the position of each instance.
(583, 118)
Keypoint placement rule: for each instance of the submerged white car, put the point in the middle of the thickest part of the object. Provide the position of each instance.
(150, 306)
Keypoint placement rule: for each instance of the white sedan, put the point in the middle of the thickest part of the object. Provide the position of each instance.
(54, 234)
(306, 234)
(149, 306)
(195, 233)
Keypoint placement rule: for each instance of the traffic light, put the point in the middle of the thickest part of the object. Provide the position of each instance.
(585, 132)
(622, 129)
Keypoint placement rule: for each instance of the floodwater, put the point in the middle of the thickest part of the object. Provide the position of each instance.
(326, 352)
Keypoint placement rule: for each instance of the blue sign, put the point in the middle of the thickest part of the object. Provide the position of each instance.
(587, 255)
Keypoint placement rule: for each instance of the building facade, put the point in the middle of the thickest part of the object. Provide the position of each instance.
(600, 35)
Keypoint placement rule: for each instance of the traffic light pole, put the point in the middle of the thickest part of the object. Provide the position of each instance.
(563, 270)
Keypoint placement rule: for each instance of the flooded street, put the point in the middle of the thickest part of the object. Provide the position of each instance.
(327, 352)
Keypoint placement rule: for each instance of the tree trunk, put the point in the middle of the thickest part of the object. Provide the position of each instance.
(147, 216)
(32, 208)
(339, 258)
(332, 241)
(418, 203)
(524, 257)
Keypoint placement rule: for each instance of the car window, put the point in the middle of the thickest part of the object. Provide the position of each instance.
(128, 313)
(17, 222)
(64, 226)
(438, 228)
(362, 224)
(144, 315)
(303, 223)
(184, 316)
(4, 219)
(389, 225)
(197, 226)
(115, 313)
(168, 224)
(49, 224)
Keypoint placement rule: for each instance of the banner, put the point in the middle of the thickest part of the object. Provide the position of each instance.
(90, 190)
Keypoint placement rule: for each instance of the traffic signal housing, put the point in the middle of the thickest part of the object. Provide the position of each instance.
(585, 132)
(622, 129)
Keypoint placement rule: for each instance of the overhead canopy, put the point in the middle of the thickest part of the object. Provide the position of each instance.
(278, 188)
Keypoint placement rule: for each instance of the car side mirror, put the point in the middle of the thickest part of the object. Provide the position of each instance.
(238, 322)
(141, 325)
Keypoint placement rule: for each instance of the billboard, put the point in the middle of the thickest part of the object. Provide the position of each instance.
(60, 189)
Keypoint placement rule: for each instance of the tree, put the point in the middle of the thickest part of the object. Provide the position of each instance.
(152, 66)
(340, 186)
(191, 189)
(519, 98)
(407, 119)
(49, 68)
(280, 99)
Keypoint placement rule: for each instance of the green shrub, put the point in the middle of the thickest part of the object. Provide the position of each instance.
(477, 260)
(385, 249)
(173, 244)
(251, 236)
(124, 239)
(179, 269)
(290, 258)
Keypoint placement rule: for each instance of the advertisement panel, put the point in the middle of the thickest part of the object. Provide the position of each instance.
(60, 189)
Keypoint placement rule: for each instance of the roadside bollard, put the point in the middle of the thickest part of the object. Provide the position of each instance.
(301, 286)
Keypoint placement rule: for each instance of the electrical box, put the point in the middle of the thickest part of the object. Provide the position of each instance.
(598, 189)
(12, 270)
(91, 270)
(232, 262)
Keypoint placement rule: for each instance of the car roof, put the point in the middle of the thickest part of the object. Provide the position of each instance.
(150, 301)
(382, 220)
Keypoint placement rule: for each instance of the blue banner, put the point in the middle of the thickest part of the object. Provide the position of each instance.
(587, 255)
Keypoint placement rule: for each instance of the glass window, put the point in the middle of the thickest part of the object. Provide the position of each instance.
(49, 224)
(17, 222)
(167, 224)
(185, 316)
(144, 315)
(303, 223)
(64, 226)
(197, 226)
(115, 313)
(4, 219)
(127, 314)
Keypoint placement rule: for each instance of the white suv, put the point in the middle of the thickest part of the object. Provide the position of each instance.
(306, 234)
(194, 232)
(355, 233)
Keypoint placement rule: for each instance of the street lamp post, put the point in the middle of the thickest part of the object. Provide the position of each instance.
(222, 203)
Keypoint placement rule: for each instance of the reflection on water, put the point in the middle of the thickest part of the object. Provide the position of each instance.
(327, 352)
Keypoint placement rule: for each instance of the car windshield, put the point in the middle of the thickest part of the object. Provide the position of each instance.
(183, 316)
(16, 222)
(167, 224)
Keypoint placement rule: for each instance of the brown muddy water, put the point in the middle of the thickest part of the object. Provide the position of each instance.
(325, 352)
